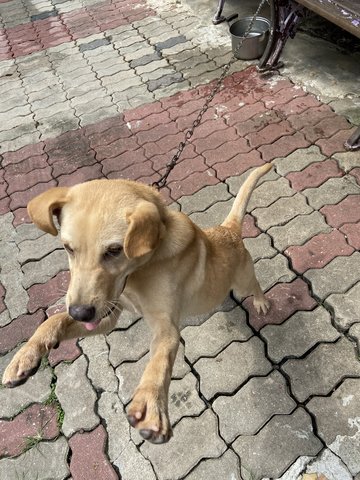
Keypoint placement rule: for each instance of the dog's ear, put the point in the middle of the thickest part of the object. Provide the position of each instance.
(43, 207)
(144, 231)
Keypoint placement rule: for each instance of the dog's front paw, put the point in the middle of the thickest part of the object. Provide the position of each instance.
(24, 364)
(148, 413)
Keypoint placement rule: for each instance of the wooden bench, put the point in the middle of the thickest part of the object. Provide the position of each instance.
(285, 15)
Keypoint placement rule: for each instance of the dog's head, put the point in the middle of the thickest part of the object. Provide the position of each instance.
(109, 228)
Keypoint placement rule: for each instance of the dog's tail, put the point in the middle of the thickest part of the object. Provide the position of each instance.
(238, 210)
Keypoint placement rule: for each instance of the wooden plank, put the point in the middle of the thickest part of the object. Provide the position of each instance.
(344, 13)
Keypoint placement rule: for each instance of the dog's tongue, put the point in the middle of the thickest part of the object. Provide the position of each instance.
(92, 325)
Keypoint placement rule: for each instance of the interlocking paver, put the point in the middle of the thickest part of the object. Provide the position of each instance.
(19, 330)
(252, 406)
(342, 434)
(331, 192)
(218, 375)
(46, 268)
(78, 402)
(226, 466)
(134, 343)
(217, 333)
(329, 465)
(285, 437)
(184, 400)
(185, 455)
(346, 211)
(273, 270)
(320, 371)
(346, 307)
(336, 277)
(295, 336)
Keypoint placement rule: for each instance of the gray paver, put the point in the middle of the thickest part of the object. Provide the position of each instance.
(44, 462)
(299, 333)
(336, 277)
(132, 465)
(45, 268)
(201, 200)
(184, 400)
(284, 438)
(347, 160)
(331, 192)
(184, 454)
(299, 160)
(214, 215)
(298, 230)
(100, 371)
(342, 434)
(268, 192)
(130, 344)
(226, 467)
(232, 367)
(320, 371)
(222, 328)
(31, 250)
(346, 307)
(252, 406)
(354, 333)
(260, 247)
(270, 271)
(76, 396)
(281, 211)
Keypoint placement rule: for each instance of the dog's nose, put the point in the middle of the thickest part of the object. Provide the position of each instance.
(83, 313)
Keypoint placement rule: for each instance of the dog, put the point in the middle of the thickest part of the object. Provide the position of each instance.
(128, 250)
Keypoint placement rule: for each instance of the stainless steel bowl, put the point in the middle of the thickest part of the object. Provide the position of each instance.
(255, 43)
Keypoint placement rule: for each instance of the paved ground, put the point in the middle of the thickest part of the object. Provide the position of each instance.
(106, 89)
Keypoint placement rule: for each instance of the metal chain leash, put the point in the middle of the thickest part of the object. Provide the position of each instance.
(190, 132)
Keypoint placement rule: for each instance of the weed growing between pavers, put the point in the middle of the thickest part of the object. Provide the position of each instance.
(54, 401)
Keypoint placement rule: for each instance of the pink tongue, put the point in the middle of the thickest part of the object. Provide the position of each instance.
(92, 325)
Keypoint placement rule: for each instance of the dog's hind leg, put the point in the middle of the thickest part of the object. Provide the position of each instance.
(245, 284)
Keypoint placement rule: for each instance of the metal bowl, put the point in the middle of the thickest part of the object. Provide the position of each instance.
(255, 43)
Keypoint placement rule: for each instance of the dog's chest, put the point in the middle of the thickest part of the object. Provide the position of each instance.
(130, 303)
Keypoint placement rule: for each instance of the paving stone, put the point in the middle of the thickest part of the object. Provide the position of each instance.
(227, 467)
(329, 466)
(66, 351)
(218, 374)
(205, 197)
(44, 269)
(354, 332)
(132, 465)
(270, 271)
(297, 335)
(296, 469)
(35, 390)
(252, 406)
(342, 434)
(346, 307)
(346, 211)
(298, 230)
(281, 211)
(37, 421)
(285, 299)
(208, 339)
(19, 330)
(205, 443)
(134, 342)
(236, 182)
(100, 371)
(268, 192)
(47, 460)
(184, 400)
(284, 438)
(31, 250)
(336, 277)
(78, 402)
(283, 146)
(298, 160)
(314, 175)
(320, 371)
(260, 247)
(330, 192)
(318, 251)
(335, 143)
(88, 457)
(214, 215)
(347, 160)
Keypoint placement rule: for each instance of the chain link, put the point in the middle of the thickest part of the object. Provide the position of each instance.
(190, 132)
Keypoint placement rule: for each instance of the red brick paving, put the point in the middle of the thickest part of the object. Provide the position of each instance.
(67, 351)
(283, 147)
(36, 421)
(314, 175)
(43, 295)
(19, 330)
(352, 233)
(334, 144)
(88, 458)
(326, 128)
(346, 211)
(285, 299)
(355, 172)
(318, 251)
(238, 164)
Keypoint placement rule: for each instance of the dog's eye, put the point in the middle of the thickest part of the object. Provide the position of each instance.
(68, 249)
(113, 251)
